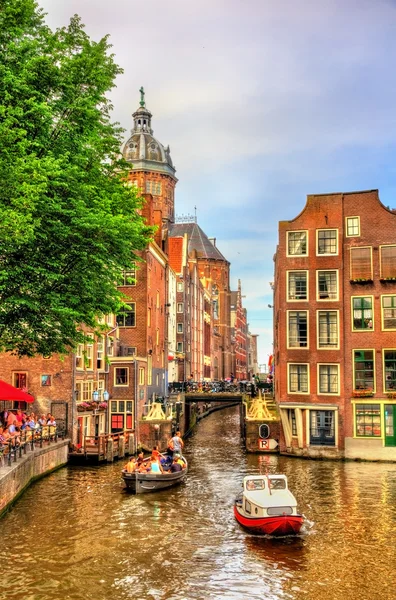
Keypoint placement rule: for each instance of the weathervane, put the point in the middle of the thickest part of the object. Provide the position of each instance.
(142, 101)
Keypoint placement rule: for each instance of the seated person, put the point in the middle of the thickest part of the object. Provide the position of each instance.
(175, 467)
(155, 453)
(155, 466)
(140, 458)
(130, 467)
(180, 461)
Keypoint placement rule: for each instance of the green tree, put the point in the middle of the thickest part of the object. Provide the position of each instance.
(68, 223)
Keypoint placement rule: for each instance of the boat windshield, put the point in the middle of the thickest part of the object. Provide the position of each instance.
(255, 484)
(277, 484)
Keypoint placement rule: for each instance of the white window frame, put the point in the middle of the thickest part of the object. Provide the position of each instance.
(308, 378)
(317, 242)
(179, 328)
(329, 348)
(346, 227)
(337, 393)
(180, 307)
(317, 285)
(287, 243)
(287, 330)
(382, 312)
(288, 283)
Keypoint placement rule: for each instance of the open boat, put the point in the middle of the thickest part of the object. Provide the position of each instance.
(141, 483)
(266, 506)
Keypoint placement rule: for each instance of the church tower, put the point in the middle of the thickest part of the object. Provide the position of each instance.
(152, 170)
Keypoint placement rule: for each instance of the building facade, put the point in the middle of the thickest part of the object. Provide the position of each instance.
(334, 328)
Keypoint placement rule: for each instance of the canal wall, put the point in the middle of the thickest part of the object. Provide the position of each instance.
(255, 443)
(35, 464)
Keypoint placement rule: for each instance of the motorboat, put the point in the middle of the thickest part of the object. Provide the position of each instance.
(267, 506)
(141, 483)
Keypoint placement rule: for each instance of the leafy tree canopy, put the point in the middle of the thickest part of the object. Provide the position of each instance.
(68, 223)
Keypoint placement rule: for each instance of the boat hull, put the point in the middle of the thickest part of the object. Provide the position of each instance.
(143, 483)
(278, 525)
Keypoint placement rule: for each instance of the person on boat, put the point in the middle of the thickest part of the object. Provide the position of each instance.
(176, 443)
(130, 467)
(155, 452)
(155, 466)
(175, 466)
(180, 461)
(140, 459)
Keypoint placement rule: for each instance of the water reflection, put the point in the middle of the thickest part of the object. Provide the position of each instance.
(77, 534)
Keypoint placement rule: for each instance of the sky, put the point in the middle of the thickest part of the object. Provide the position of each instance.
(261, 102)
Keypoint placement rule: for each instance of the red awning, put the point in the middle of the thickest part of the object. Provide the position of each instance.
(9, 392)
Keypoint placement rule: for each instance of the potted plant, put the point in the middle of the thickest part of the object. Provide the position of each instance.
(363, 393)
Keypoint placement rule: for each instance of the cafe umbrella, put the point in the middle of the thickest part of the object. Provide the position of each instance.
(9, 392)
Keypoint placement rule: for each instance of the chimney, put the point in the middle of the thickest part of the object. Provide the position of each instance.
(213, 241)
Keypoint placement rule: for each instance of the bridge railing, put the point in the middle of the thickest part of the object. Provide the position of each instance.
(213, 387)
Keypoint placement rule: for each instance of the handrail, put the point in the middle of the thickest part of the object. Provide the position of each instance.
(29, 439)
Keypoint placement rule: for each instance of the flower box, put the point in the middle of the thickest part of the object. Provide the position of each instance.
(391, 395)
(361, 280)
(385, 279)
(362, 393)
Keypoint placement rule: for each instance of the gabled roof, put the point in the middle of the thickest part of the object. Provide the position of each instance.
(197, 240)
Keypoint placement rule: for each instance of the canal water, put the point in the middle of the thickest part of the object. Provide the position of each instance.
(78, 535)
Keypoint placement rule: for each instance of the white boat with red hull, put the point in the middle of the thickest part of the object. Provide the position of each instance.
(267, 507)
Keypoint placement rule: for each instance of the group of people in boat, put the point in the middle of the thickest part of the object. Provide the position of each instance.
(171, 462)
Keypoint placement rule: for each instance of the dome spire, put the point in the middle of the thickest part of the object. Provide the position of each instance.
(142, 100)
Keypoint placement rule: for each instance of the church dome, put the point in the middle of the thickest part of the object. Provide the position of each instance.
(143, 149)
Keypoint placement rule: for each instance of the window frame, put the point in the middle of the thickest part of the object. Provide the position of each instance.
(142, 376)
(317, 242)
(180, 310)
(178, 346)
(45, 380)
(351, 249)
(368, 403)
(179, 328)
(346, 227)
(374, 366)
(352, 312)
(125, 277)
(318, 391)
(393, 277)
(323, 310)
(336, 271)
(306, 241)
(308, 378)
(393, 390)
(115, 377)
(383, 328)
(289, 347)
(288, 285)
(124, 313)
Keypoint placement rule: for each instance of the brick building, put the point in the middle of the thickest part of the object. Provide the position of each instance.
(239, 335)
(213, 271)
(334, 328)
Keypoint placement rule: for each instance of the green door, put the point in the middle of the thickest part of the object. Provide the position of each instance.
(390, 424)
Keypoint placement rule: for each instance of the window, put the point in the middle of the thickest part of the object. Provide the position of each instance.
(361, 264)
(131, 350)
(179, 347)
(127, 316)
(110, 346)
(327, 283)
(45, 380)
(363, 363)
(99, 354)
(157, 299)
(149, 370)
(328, 379)
(117, 423)
(180, 328)
(297, 285)
(368, 420)
(79, 356)
(389, 312)
(129, 277)
(298, 379)
(297, 243)
(89, 354)
(388, 262)
(353, 226)
(327, 329)
(327, 241)
(390, 370)
(157, 337)
(322, 428)
(362, 315)
(291, 413)
(180, 286)
(149, 317)
(298, 329)
(141, 376)
(180, 307)
(154, 188)
(121, 376)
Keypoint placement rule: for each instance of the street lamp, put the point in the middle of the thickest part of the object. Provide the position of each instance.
(106, 396)
(95, 396)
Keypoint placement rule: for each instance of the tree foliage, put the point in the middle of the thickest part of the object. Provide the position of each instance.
(68, 223)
